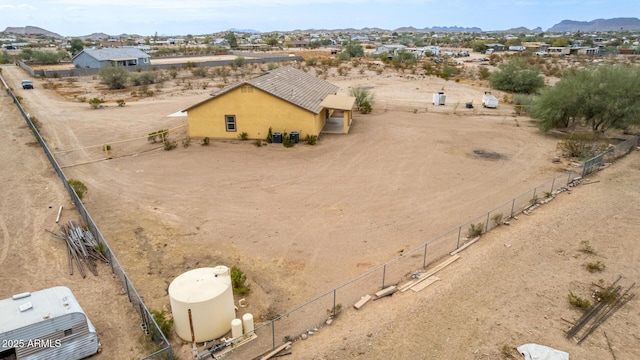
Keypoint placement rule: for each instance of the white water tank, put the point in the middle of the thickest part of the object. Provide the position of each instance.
(236, 328)
(208, 293)
(247, 323)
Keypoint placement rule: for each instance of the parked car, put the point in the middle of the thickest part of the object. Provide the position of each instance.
(27, 84)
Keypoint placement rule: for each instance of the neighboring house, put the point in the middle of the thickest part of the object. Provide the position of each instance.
(389, 49)
(46, 324)
(284, 99)
(125, 56)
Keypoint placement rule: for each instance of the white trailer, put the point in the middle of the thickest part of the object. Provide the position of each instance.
(46, 324)
(489, 101)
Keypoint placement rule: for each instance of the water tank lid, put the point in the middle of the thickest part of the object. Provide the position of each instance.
(198, 285)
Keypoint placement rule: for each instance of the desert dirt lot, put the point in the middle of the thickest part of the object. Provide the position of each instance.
(302, 221)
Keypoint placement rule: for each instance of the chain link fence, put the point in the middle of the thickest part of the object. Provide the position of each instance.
(147, 321)
(313, 315)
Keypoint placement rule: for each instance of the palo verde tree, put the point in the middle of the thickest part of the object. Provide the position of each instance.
(602, 98)
(115, 77)
(517, 76)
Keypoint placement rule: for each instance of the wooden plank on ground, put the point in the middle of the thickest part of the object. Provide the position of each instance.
(465, 246)
(276, 350)
(386, 291)
(363, 300)
(424, 284)
(424, 276)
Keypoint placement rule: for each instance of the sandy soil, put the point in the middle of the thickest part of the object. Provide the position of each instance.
(301, 221)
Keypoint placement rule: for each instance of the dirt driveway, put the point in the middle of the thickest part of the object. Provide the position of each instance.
(301, 221)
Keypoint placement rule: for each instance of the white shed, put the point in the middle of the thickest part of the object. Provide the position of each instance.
(46, 324)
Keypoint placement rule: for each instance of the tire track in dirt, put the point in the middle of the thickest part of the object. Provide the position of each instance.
(5, 241)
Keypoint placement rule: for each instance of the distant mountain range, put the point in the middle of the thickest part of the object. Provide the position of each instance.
(615, 24)
(31, 30)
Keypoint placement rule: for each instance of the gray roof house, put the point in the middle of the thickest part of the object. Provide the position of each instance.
(46, 324)
(125, 56)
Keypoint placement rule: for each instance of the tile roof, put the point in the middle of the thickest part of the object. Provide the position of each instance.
(291, 85)
(116, 53)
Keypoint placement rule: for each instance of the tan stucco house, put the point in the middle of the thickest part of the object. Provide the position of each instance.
(284, 99)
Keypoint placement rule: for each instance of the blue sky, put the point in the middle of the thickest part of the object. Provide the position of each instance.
(195, 17)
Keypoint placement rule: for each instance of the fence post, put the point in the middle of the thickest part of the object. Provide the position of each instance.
(273, 333)
(334, 302)
(486, 226)
(459, 232)
(424, 261)
(513, 204)
(384, 273)
(534, 195)
(126, 285)
(553, 182)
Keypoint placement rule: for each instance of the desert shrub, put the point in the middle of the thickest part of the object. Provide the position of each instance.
(106, 147)
(507, 352)
(365, 107)
(159, 135)
(243, 136)
(199, 72)
(239, 281)
(595, 266)
(475, 230)
(78, 186)
(186, 142)
(311, 61)
(143, 78)
(497, 219)
(582, 145)
(205, 141)
(364, 98)
(163, 322)
(170, 145)
(96, 103)
(121, 102)
(258, 142)
(287, 140)
(115, 77)
(239, 61)
(270, 135)
(335, 310)
(578, 302)
(586, 247)
(311, 139)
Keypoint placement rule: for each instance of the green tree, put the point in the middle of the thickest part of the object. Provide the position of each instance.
(517, 76)
(77, 45)
(479, 46)
(115, 77)
(352, 49)
(600, 97)
(231, 38)
(46, 57)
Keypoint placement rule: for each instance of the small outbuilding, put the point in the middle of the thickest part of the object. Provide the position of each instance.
(129, 57)
(46, 324)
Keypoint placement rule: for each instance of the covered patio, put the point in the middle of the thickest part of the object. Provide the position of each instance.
(339, 113)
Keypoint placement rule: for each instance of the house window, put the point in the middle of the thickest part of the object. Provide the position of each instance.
(230, 122)
(146, 60)
(68, 332)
